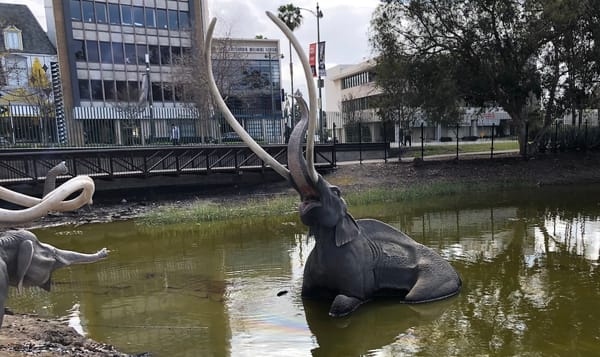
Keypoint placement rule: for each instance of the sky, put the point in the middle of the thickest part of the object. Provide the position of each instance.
(344, 27)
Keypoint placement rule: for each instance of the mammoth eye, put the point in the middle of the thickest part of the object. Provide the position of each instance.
(336, 191)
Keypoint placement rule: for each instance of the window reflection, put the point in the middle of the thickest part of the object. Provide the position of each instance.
(100, 12)
(79, 50)
(75, 7)
(126, 15)
(84, 89)
(161, 18)
(105, 52)
(88, 11)
(173, 22)
(150, 19)
(96, 87)
(138, 16)
(92, 51)
(114, 14)
(117, 51)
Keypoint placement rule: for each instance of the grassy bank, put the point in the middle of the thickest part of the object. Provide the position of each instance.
(208, 211)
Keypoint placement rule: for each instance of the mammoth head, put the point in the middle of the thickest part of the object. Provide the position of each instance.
(321, 203)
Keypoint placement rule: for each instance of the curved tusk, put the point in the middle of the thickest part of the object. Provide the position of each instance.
(54, 201)
(312, 96)
(257, 149)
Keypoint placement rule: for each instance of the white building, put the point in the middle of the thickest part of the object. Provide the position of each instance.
(350, 94)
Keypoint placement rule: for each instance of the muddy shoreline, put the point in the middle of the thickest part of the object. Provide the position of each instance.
(30, 335)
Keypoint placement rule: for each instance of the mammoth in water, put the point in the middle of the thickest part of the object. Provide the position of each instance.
(353, 260)
(25, 261)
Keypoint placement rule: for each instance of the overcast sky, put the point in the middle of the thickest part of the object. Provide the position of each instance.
(344, 27)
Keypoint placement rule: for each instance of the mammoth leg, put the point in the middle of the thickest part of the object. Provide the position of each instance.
(343, 305)
(24, 257)
(3, 289)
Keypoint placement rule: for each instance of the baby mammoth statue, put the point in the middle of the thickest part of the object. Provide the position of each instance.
(25, 261)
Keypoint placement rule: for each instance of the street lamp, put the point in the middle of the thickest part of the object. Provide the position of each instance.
(149, 96)
(318, 14)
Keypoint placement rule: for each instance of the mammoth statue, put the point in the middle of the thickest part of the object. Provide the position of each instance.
(53, 199)
(353, 260)
(25, 261)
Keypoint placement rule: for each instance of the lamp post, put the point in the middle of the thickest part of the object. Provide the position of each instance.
(318, 14)
(149, 97)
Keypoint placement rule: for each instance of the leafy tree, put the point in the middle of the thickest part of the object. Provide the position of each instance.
(479, 53)
(292, 17)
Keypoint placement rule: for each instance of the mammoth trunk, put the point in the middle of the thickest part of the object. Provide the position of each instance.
(300, 173)
(68, 257)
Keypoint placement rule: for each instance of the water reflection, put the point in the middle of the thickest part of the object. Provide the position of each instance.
(528, 261)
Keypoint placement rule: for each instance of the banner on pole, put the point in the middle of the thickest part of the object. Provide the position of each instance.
(312, 58)
(322, 71)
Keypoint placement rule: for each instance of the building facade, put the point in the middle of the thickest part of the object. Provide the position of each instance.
(351, 99)
(25, 113)
(108, 49)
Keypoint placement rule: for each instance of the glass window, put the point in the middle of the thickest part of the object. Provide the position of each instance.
(129, 53)
(154, 54)
(167, 92)
(121, 91)
(117, 51)
(156, 92)
(150, 19)
(79, 50)
(84, 89)
(161, 18)
(138, 16)
(88, 11)
(109, 90)
(165, 55)
(100, 12)
(114, 14)
(173, 24)
(12, 39)
(141, 53)
(105, 52)
(133, 91)
(184, 20)
(92, 51)
(96, 87)
(126, 15)
(75, 10)
(175, 53)
(179, 93)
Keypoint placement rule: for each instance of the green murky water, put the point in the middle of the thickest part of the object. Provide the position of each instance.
(528, 260)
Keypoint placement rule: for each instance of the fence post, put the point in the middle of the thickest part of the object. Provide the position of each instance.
(422, 142)
(526, 139)
(333, 154)
(384, 142)
(555, 137)
(492, 148)
(457, 127)
(360, 142)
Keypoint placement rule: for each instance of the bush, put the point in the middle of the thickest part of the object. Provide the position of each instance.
(445, 139)
(470, 138)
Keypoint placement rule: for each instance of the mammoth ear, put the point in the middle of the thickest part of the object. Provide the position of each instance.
(24, 257)
(346, 231)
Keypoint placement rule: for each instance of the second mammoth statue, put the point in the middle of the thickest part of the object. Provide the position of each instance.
(25, 261)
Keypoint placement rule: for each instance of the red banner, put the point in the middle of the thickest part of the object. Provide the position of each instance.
(312, 58)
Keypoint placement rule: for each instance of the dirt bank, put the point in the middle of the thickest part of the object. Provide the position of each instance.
(26, 335)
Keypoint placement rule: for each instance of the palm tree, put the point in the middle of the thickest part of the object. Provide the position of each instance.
(292, 17)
